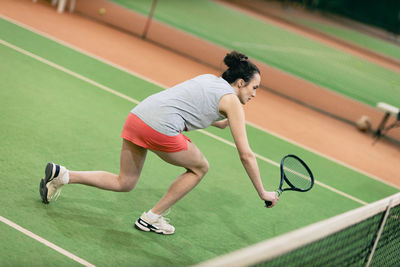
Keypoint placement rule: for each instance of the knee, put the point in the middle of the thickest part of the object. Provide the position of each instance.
(206, 167)
(203, 168)
(126, 184)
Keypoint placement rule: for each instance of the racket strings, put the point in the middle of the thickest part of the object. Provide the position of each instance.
(297, 174)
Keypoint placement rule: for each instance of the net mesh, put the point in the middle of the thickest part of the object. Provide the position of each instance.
(388, 250)
(349, 247)
(367, 236)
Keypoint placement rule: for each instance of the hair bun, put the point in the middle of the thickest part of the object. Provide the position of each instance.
(234, 58)
(239, 67)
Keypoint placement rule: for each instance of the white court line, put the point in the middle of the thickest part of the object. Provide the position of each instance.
(105, 88)
(164, 86)
(22, 25)
(278, 165)
(45, 242)
(112, 91)
(74, 74)
(323, 155)
(291, 49)
(136, 102)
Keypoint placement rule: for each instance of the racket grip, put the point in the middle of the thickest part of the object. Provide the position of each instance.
(269, 203)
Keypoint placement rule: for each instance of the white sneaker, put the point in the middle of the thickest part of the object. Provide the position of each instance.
(50, 185)
(159, 226)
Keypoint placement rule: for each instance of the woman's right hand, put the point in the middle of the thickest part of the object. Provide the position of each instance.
(270, 196)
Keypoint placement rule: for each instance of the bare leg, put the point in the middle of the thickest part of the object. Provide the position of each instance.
(196, 167)
(131, 164)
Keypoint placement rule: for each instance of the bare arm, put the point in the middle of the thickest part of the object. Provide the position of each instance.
(222, 124)
(230, 105)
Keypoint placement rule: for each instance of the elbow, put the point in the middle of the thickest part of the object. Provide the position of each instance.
(247, 156)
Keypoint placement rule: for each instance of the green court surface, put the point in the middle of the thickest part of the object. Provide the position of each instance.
(353, 36)
(330, 68)
(54, 106)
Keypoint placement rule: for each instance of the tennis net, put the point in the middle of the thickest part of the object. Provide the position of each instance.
(367, 236)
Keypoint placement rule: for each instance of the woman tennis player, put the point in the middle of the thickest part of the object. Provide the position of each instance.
(157, 124)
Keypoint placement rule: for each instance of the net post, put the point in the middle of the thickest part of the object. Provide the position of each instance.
(378, 235)
(283, 245)
(149, 18)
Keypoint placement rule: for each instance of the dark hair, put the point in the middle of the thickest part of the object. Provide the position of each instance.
(239, 66)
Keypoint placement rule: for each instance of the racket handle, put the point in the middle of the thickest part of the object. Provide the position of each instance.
(269, 203)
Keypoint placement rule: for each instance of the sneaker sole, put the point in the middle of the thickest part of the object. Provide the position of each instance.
(43, 188)
(146, 229)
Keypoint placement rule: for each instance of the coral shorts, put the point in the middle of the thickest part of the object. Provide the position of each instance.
(139, 133)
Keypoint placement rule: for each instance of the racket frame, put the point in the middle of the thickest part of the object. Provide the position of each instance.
(284, 178)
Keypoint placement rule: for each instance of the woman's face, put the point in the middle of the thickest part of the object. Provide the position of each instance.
(247, 92)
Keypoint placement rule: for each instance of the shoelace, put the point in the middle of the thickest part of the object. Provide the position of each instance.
(56, 195)
(165, 221)
(58, 191)
(166, 212)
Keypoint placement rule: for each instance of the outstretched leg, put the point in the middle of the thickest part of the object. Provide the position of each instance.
(131, 164)
(132, 160)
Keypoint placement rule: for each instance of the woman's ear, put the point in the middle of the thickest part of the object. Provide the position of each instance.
(241, 83)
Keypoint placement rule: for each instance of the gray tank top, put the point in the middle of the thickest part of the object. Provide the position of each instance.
(187, 106)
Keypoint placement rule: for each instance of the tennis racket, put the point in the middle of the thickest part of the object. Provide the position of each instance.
(296, 174)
